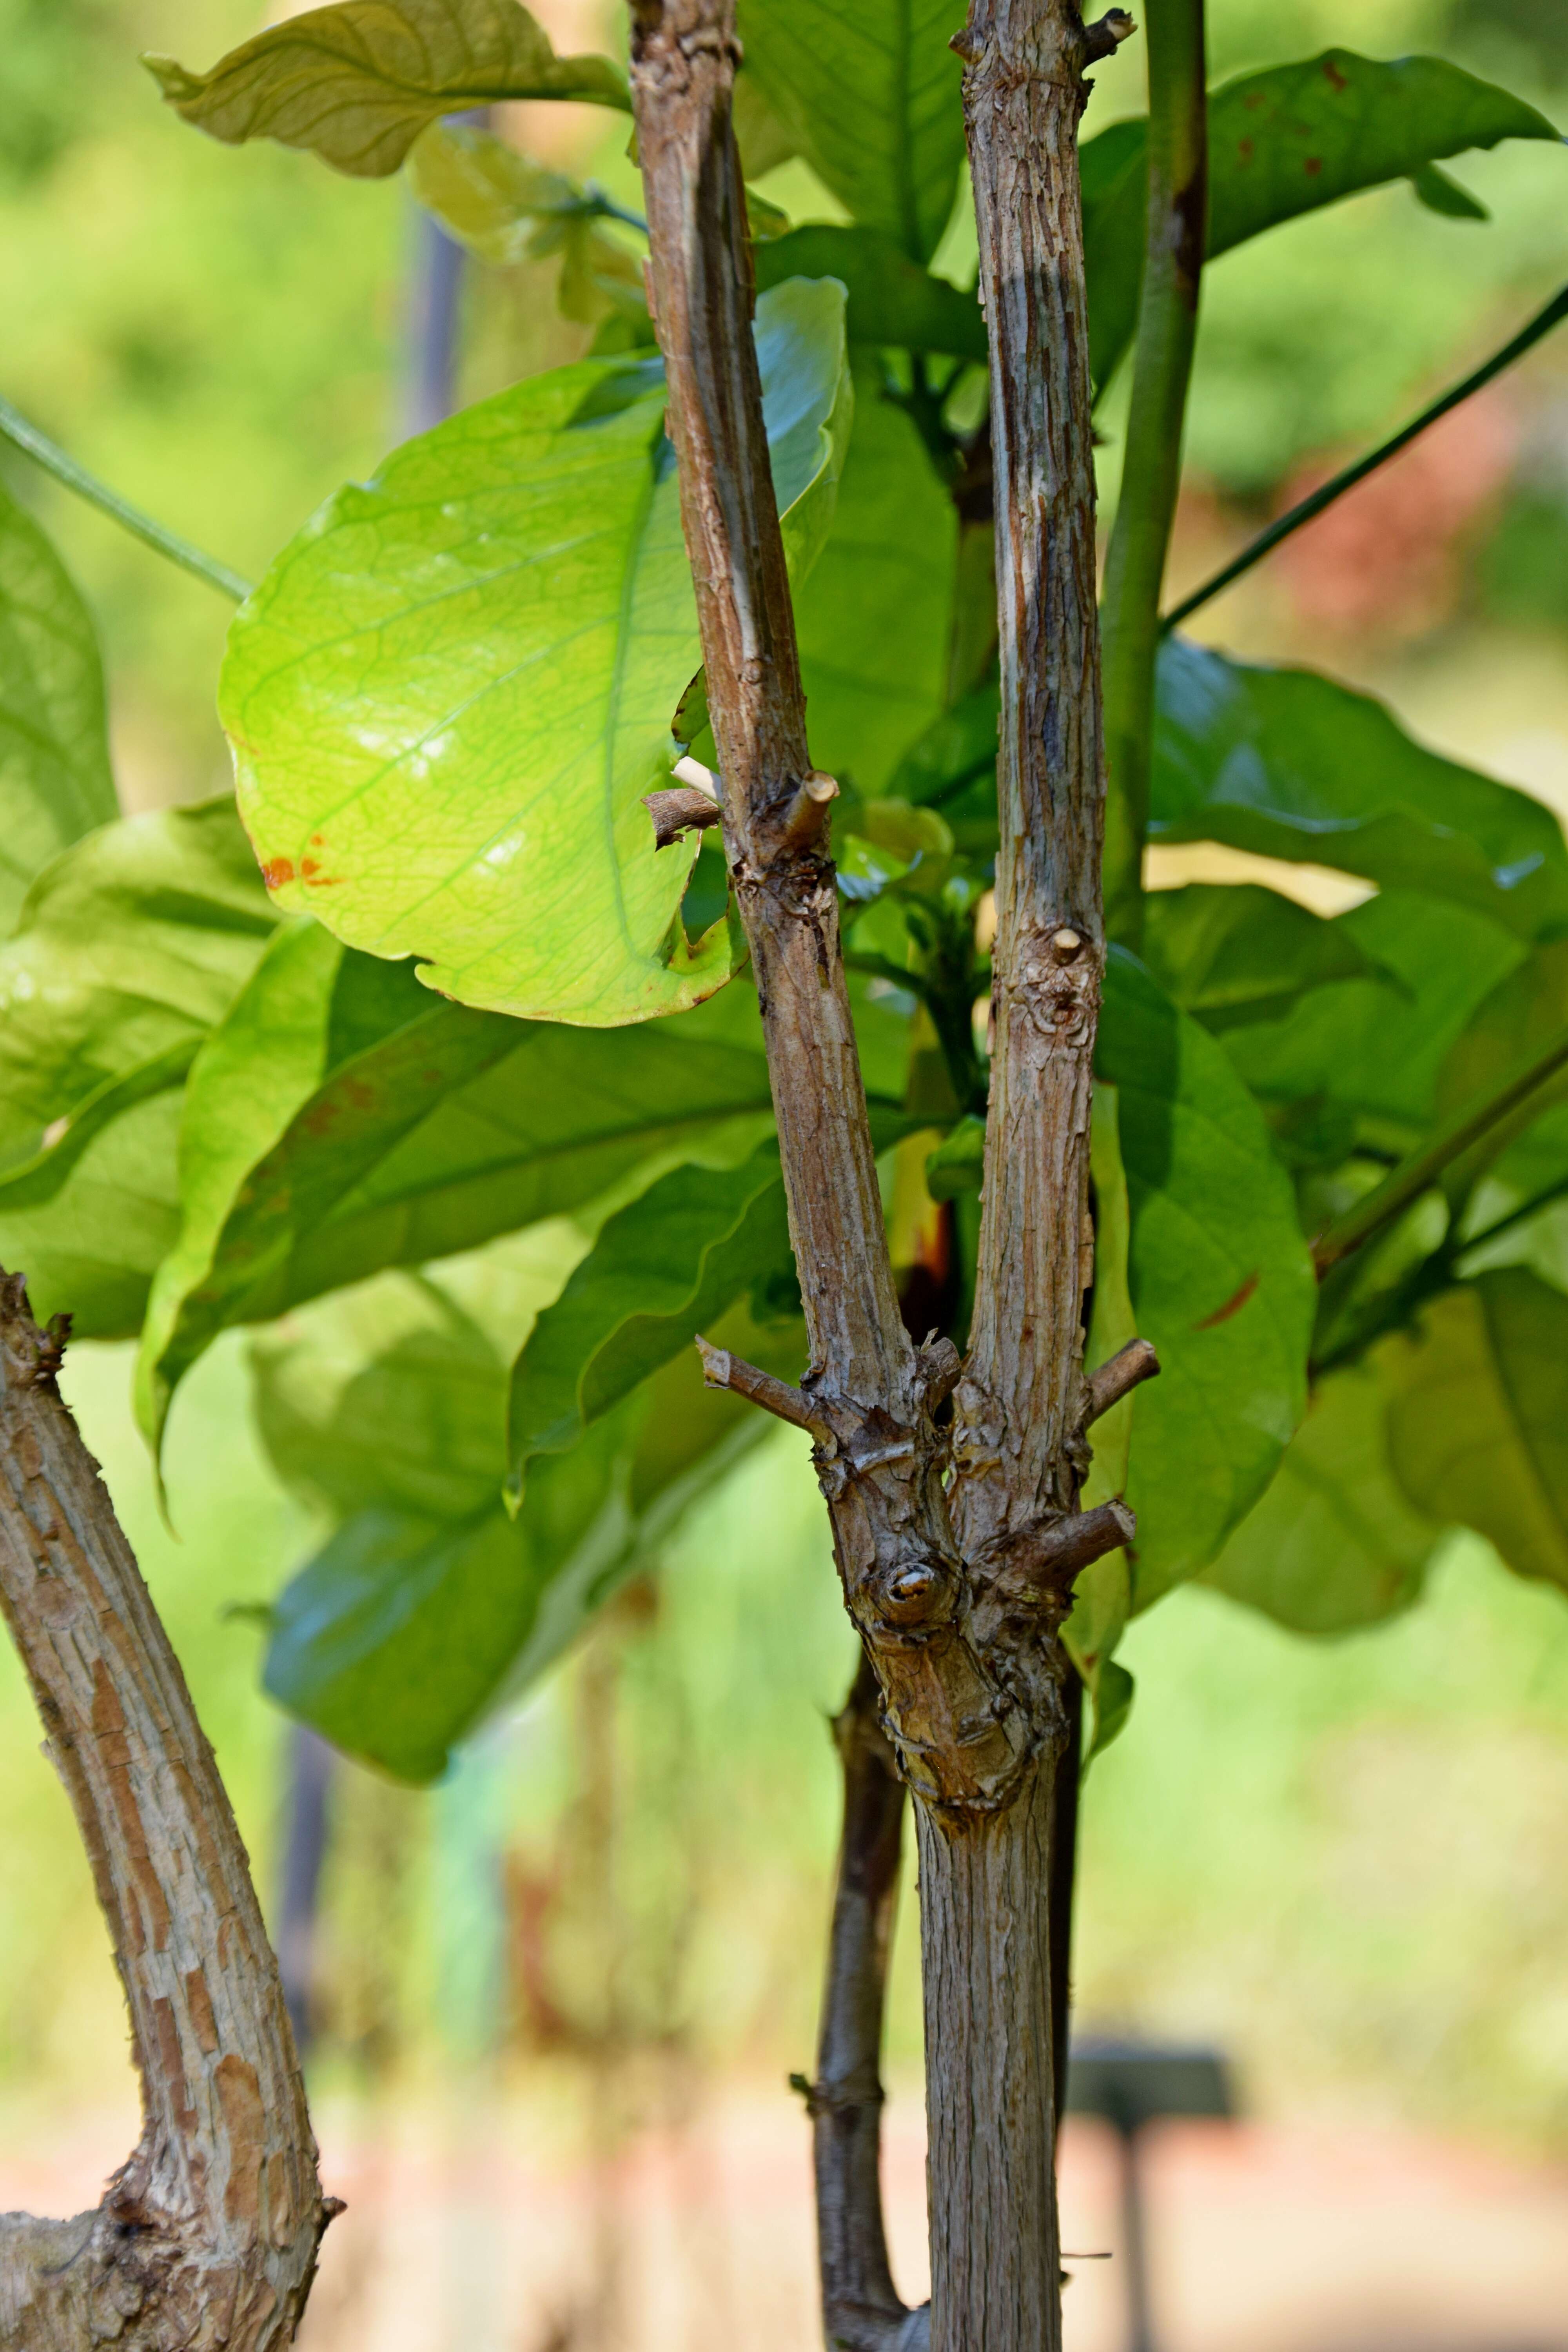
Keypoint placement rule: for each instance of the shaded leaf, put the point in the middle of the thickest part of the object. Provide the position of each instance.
(1291, 765)
(663, 1269)
(357, 83)
(893, 300)
(1234, 953)
(1525, 1016)
(55, 780)
(1334, 1545)
(386, 1129)
(1219, 1278)
(1283, 142)
(449, 693)
(1478, 1424)
(871, 96)
(875, 616)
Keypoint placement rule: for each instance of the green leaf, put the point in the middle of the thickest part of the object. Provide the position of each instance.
(450, 693)
(662, 1270)
(1283, 142)
(893, 300)
(387, 1407)
(89, 1218)
(1239, 953)
(339, 1121)
(1334, 1545)
(55, 780)
(1219, 1277)
(357, 83)
(952, 767)
(1369, 1051)
(875, 616)
(871, 96)
(1523, 1017)
(1440, 194)
(134, 940)
(506, 208)
(1291, 765)
(1478, 1424)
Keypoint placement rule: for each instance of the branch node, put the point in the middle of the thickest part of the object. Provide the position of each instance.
(720, 1369)
(1116, 1378)
(808, 812)
(687, 808)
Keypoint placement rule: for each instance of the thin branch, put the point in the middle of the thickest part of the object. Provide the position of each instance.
(1117, 1378)
(861, 2309)
(1416, 1174)
(209, 2230)
(15, 428)
(1176, 229)
(1047, 1557)
(720, 1369)
(1306, 509)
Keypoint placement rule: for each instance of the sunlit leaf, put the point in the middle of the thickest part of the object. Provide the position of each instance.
(1283, 142)
(1478, 1424)
(357, 83)
(871, 96)
(507, 209)
(450, 693)
(55, 782)
(1334, 1544)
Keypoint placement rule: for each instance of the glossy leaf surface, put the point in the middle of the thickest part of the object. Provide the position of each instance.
(450, 693)
(1291, 765)
(55, 780)
(1479, 1426)
(1283, 142)
(356, 83)
(1334, 1544)
(1219, 1278)
(871, 96)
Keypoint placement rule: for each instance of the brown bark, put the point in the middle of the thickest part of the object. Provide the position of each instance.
(207, 2235)
(958, 1597)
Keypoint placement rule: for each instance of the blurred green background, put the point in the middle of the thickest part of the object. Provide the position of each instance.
(1340, 1861)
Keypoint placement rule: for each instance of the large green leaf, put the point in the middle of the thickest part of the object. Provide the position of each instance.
(88, 1219)
(1219, 1278)
(1478, 1424)
(1289, 764)
(663, 1269)
(1524, 1017)
(339, 1121)
(55, 781)
(135, 941)
(893, 300)
(1334, 1545)
(358, 83)
(386, 1409)
(870, 95)
(450, 693)
(876, 615)
(1239, 953)
(1282, 142)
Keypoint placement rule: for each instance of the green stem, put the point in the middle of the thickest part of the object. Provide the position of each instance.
(1555, 311)
(15, 428)
(1167, 329)
(1420, 1172)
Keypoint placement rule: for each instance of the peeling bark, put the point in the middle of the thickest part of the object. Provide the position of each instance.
(957, 1536)
(207, 2235)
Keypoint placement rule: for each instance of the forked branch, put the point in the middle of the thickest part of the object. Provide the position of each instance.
(207, 2235)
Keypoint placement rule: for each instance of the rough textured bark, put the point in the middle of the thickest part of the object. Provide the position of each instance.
(958, 1595)
(207, 2235)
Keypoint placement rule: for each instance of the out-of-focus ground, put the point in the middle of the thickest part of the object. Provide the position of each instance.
(473, 2228)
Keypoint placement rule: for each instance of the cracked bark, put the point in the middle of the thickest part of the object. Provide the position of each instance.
(207, 2235)
(957, 1540)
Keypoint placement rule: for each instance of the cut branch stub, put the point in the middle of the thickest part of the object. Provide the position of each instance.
(207, 2235)
(1117, 1378)
(685, 808)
